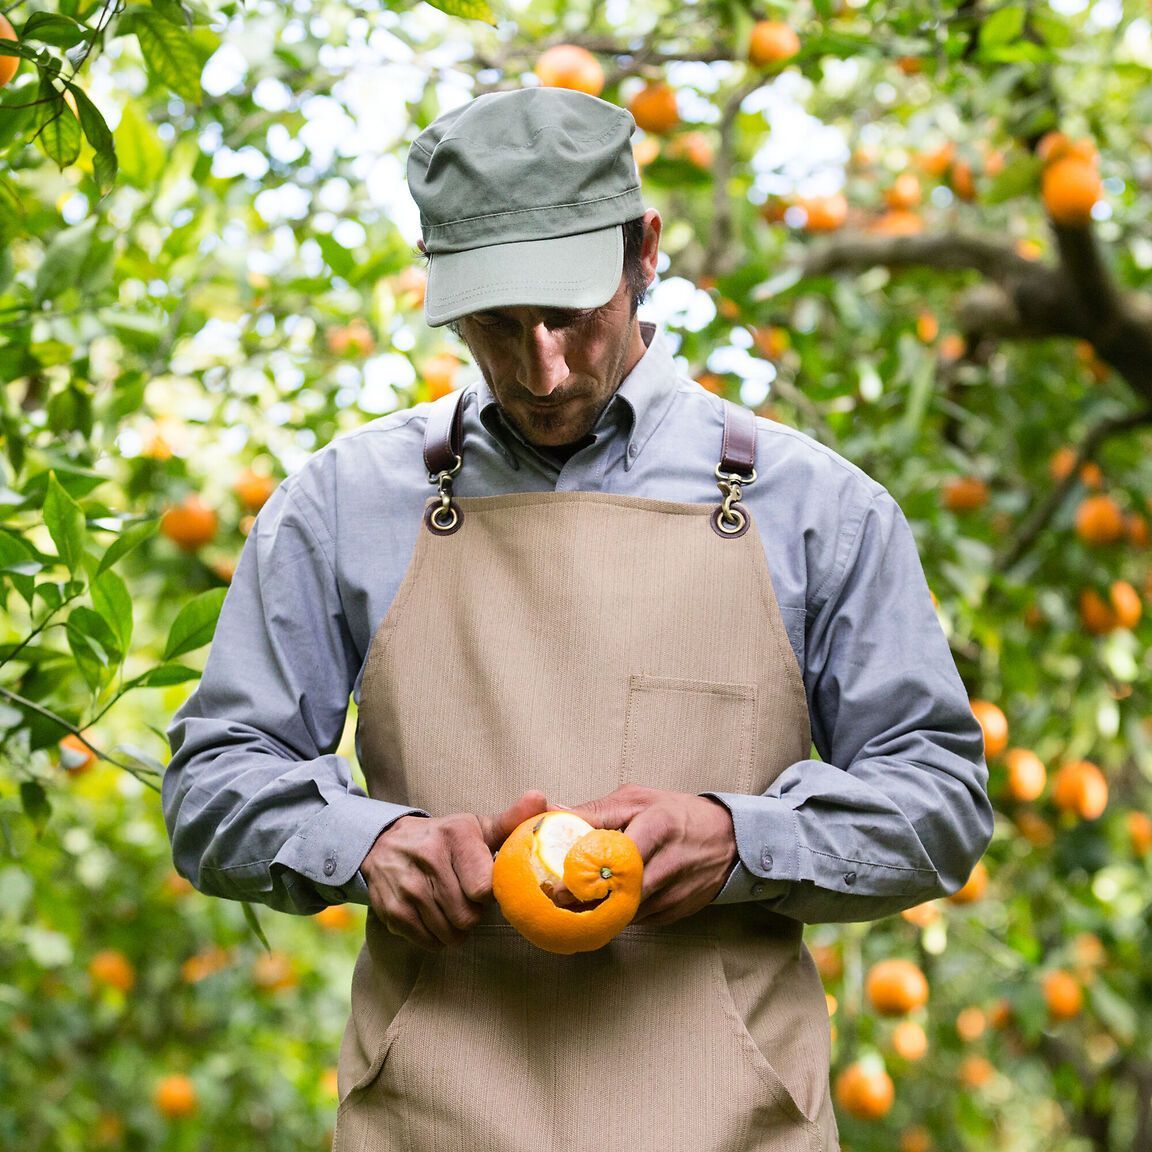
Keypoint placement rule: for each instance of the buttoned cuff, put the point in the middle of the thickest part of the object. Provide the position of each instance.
(767, 844)
(331, 846)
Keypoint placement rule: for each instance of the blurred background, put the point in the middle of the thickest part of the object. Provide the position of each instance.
(917, 232)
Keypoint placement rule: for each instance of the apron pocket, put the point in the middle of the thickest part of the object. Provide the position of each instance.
(637, 1047)
(689, 735)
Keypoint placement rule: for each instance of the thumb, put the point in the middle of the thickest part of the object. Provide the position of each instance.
(498, 828)
(612, 811)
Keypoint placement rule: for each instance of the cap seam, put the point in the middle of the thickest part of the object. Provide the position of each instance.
(543, 208)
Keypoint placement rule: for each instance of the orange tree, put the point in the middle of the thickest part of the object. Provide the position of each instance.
(917, 232)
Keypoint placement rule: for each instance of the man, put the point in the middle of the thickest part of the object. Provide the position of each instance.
(538, 593)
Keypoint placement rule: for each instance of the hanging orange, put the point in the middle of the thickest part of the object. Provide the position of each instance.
(772, 42)
(994, 725)
(1081, 788)
(895, 987)
(595, 864)
(654, 109)
(570, 66)
(8, 64)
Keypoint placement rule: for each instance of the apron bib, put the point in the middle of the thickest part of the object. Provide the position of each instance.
(573, 642)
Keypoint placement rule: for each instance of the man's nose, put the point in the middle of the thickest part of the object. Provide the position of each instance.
(543, 365)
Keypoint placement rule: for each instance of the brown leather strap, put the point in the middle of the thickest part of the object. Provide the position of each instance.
(443, 437)
(738, 452)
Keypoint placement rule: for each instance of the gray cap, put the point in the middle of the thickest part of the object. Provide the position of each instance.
(521, 197)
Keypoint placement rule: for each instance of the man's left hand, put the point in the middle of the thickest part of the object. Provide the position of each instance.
(687, 843)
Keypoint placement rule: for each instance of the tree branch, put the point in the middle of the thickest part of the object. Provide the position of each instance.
(1042, 515)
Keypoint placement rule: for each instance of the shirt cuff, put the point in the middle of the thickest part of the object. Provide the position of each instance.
(767, 844)
(331, 846)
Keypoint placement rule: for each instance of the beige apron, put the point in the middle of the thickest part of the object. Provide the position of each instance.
(572, 642)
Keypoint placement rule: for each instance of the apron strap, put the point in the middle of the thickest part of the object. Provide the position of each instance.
(443, 448)
(737, 467)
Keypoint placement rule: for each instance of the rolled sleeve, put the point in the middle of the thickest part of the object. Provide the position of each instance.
(895, 811)
(257, 805)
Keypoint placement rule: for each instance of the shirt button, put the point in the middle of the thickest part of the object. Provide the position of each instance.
(766, 859)
(849, 878)
(329, 865)
(757, 889)
(632, 450)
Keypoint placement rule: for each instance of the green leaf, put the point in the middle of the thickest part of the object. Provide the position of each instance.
(64, 519)
(1002, 27)
(164, 676)
(130, 538)
(49, 28)
(195, 624)
(169, 55)
(254, 924)
(34, 801)
(141, 760)
(65, 256)
(12, 214)
(174, 12)
(100, 137)
(139, 148)
(59, 135)
(336, 256)
(1017, 178)
(111, 598)
(94, 645)
(469, 9)
(70, 411)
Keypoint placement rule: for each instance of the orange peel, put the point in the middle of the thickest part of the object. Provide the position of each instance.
(601, 867)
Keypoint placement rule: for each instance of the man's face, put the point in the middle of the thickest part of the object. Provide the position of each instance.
(551, 370)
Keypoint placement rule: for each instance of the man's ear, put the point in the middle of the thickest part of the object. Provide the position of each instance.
(421, 246)
(650, 252)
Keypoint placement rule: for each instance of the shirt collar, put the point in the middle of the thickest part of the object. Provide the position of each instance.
(636, 408)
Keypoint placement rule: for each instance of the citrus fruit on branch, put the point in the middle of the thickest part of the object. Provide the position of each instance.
(599, 867)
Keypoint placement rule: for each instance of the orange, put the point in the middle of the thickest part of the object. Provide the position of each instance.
(204, 964)
(654, 109)
(976, 1071)
(1089, 952)
(994, 725)
(897, 222)
(1000, 1014)
(1127, 606)
(1063, 461)
(253, 488)
(1140, 832)
(936, 160)
(1080, 788)
(1063, 995)
(595, 864)
(952, 346)
(335, 918)
(828, 960)
(909, 1040)
(175, 1096)
(771, 342)
(570, 66)
(922, 914)
(910, 65)
(904, 194)
(75, 755)
(8, 64)
(1026, 774)
(974, 887)
(190, 524)
(112, 969)
(329, 1083)
(1070, 188)
(772, 42)
(645, 150)
(410, 287)
(274, 972)
(824, 213)
(916, 1139)
(1029, 249)
(355, 337)
(1136, 529)
(865, 1091)
(695, 147)
(964, 494)
(971, 1023)
(1034, 828)
(1095, 613)
(895, 987)
(712, 382)
(439, 374)
(963, 180)
(927, 327)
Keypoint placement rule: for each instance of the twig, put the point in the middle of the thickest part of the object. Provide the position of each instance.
(59, 720)
(1042, 515)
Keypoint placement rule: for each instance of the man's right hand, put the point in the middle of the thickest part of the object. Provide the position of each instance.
(429, 876)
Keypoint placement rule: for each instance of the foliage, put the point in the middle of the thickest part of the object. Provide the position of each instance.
(206, 269)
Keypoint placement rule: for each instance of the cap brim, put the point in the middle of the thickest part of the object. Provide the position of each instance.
(580, 271)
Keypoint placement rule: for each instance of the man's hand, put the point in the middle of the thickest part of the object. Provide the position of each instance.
(687, 842)
(428, 876)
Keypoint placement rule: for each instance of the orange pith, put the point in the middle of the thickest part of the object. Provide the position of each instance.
(602, 865)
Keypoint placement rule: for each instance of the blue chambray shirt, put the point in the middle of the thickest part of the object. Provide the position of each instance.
(893, 812)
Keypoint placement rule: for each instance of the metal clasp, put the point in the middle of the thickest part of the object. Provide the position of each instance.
(730, 519)
(444, 517)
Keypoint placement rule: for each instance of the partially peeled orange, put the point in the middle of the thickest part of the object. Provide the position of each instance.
(598, 867)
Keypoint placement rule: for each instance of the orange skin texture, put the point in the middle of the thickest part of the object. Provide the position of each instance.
(602, 865)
